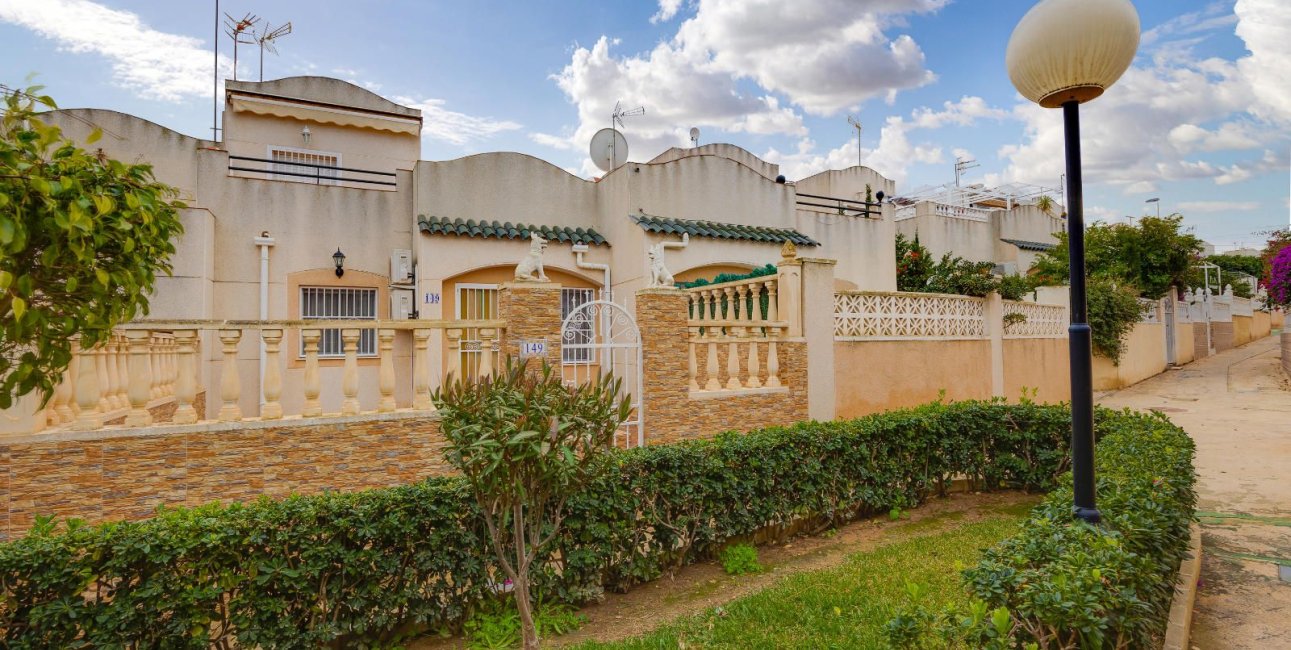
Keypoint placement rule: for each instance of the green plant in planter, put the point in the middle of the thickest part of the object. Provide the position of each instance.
(739, 559)
(525, 444)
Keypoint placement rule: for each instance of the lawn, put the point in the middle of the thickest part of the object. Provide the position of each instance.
(842, 607)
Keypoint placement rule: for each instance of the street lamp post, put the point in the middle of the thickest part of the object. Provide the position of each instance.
(1064, 53)
(1156, 200)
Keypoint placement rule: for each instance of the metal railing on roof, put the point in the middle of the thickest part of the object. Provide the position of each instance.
(322, 174)
(842, 206)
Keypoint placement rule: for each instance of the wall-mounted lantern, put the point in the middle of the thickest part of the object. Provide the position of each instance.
(339, 259)
(304, 134)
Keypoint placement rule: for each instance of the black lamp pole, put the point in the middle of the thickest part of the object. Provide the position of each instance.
(1082, 380)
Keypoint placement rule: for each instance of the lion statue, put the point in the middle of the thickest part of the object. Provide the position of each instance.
(530, 268)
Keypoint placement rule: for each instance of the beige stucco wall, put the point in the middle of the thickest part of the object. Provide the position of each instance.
(722, 150)
(1261, 325)
(1277, 318)
(1241, 330)
(966, 238)
(1039, 365)
(874, 376)
(1143, 357)
(1184, 343)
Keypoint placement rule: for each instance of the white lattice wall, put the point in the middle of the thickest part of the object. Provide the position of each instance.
(880, 316)
(1242, 307)
(1042, 321)
(1149, 313)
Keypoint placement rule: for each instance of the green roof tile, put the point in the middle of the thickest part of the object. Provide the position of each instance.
(717, 230)
(507, 230)
(1030, 245)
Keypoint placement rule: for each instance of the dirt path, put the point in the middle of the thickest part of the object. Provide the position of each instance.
(699, 586)
(1237, 406)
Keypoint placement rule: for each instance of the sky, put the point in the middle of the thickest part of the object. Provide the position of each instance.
(1202, 119)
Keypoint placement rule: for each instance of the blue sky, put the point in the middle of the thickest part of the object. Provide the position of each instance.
(1202, 119)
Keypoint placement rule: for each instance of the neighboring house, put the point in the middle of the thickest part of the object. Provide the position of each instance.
(311, 166)
(1002, 225)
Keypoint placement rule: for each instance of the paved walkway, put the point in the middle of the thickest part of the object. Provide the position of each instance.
(1237, 406)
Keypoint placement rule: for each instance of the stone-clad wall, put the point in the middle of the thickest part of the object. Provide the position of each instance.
(532, 312)
(671, 413)
(126, 473)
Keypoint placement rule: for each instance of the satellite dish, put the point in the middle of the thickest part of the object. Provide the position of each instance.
(608, 150)
(694, 136)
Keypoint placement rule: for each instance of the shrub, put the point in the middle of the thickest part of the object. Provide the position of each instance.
(370, 568)
(739, 559)
(1060, 583)
(1114, 310)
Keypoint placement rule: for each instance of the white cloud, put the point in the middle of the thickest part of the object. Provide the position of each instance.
(1173, 103)
(1217, 206)
(155, 64)
(824, 55)
(439, 123)
(895, 152)
(667, 9)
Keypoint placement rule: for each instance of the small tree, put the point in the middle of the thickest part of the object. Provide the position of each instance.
(1153, 255)
(82, 238)
(525, 443)
(914, 264)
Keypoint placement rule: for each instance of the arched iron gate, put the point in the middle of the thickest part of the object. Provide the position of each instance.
(600, 336)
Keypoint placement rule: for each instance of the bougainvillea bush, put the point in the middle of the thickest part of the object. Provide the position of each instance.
(1280, 277)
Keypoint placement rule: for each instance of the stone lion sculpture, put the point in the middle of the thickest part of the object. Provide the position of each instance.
(530, 268)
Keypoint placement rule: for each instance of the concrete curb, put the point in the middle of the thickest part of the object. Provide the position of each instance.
(1179, 625)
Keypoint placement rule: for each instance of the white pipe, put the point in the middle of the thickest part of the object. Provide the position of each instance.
(265, 242)
(606, 290)
(685, 241)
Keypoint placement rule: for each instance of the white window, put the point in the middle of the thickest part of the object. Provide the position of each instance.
(340, 303)
(581, 330)
(304, 165)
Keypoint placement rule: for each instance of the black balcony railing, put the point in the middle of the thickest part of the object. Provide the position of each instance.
(321, 174)
(845, 207)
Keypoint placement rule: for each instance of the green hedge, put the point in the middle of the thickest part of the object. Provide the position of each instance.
(367, 568)
(1060, 583)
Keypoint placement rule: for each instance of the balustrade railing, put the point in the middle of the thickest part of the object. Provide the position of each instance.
(144, 365)
(958, 212)
(740, 319)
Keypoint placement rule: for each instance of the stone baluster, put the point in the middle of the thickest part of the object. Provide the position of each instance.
(60, 408)
(454, 369)
(773, 308)
(103, 383)
(755, 364)
(168, 367)
(692, 366)
(773, 359)
(487, 337)
(713, 382)
(140, 378)
(386, 379)
(694, 306)
(350, 378)
(421, 370)
(87, 389)
(122, 358)
(272, 407)
(154, 363)
(733, 358)
(312, 407)
(230, 383)
(732, 304)
(186, 380)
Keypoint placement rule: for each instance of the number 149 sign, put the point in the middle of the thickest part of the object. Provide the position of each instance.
(529, 349)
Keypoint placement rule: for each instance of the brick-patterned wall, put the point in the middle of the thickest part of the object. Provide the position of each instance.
(113, 475)
(532, 312)
(671, 413)
(1221, 336)
(1200, 347)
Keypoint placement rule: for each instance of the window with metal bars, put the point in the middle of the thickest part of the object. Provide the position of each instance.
(284, 158)
(340, 303)
(582, 330)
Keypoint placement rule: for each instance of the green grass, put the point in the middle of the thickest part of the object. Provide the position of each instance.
(843, 607)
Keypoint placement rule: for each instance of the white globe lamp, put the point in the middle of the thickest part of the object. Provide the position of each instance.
(1064, 53)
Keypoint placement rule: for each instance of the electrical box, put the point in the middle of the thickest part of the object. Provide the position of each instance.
(400, 304)
(401, 267)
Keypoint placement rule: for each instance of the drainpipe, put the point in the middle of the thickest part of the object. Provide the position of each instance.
(685, 241)
(606, 291)
(265, 242)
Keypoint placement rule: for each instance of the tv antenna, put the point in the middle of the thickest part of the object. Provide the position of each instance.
(240, 29)
(961, 165)
(856, 122)
(266, 40)
(616, 118)
(694, 136)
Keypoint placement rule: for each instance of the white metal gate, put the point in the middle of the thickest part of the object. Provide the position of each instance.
(475, 302)
(602, 337)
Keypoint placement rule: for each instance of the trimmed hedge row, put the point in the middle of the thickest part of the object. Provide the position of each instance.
(1060, 583)
(367, 568)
